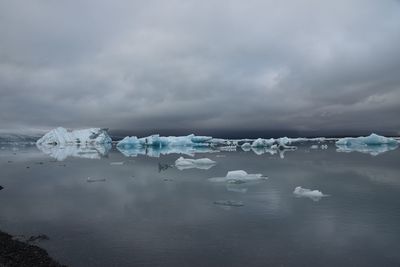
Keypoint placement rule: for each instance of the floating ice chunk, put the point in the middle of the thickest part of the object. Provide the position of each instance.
(373, 144)
(163, 141)
(203, 163)
(117, 163)
(230, 203)
(314, 147)
(315, 195)
(62, 136)
(246, 147)
(263, 142)
(239, 176)
(370, 140)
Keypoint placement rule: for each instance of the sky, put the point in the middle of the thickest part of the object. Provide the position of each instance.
(181, 65)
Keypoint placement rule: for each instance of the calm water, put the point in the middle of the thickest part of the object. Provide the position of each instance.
(143, 215)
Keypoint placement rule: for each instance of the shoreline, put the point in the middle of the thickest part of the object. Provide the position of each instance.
(17, 253)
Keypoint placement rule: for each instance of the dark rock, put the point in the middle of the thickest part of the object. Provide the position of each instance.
(17, 253)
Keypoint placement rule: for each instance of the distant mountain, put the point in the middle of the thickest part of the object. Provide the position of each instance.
(17, 138)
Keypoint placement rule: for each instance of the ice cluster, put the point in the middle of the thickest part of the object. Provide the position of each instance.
(373, 144)
(164, 141)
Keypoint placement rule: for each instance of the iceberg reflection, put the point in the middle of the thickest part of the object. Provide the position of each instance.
(373, 150)
(60, 153)
(156, 152)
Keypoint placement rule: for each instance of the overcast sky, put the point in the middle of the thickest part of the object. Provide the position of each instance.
(211, 64)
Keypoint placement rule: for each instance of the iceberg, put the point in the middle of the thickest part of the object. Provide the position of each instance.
(61, 136)
(164, 141)
(315, 195)
(373, 144)
(246, 147)
(260, 142)
(239, 176)
(203, 163)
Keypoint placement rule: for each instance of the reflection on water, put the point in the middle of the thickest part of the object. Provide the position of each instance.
(373, 150)
(80, 151)
(156, 152)
(145, 212)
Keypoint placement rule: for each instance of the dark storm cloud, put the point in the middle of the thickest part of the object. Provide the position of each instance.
(259, 65)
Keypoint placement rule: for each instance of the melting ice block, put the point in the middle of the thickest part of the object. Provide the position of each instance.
(62, 136)
(373, 144)
(239, 176)
(203, 163)
(164, 141)
(315, 195)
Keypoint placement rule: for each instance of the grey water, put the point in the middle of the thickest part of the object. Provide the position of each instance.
(114, 210)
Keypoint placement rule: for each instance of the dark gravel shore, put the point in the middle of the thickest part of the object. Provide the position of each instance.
(17, 253)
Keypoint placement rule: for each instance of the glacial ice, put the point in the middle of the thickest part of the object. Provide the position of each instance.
(315, 195)
(61, 136)
(373, 144)
(370, 140)
(203, 163)
(164, 141)
(239, 176)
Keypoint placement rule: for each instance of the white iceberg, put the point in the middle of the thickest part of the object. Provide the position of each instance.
(239, 176)
(260, 142)
(315, 195)
(203, 163)
(61, 136)
(373, 144)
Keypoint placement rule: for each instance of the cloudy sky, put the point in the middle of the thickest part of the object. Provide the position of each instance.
(253, 65)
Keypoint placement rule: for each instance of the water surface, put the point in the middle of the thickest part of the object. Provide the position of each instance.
(135, 211)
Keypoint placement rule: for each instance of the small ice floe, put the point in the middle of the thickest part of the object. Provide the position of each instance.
(230, 203)
(246, 147)
(93, 180)
(203, 163)
(237, 188)
(117, 163)
(315, 195)
(230, 148)
(220, 156)
(324, 146)
(238, 177)
(314, 147)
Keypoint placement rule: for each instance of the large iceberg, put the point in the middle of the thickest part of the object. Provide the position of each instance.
(373, 144)
(164, 141)
(239, 176)
(203, 163)
(61, 136)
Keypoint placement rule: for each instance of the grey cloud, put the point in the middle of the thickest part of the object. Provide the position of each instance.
(258, 65)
